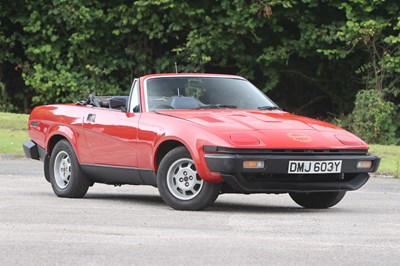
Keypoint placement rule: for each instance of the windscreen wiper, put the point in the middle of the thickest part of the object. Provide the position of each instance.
(267, 107)
(217, 106)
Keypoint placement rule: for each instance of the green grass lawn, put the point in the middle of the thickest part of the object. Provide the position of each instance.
(13, 133)
(390, 155)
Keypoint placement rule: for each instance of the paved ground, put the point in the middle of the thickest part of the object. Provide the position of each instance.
(131, 225)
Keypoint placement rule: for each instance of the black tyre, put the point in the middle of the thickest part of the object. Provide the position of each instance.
(46, 168)
(318, 200)
(66, 177)
(179, 184)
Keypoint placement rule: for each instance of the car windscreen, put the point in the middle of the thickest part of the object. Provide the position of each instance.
(204, 93)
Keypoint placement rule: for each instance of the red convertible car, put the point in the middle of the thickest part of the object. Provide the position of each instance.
(195, 136)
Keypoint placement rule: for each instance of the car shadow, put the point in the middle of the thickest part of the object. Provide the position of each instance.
(263, 208)
(136, 198)
(220, 207)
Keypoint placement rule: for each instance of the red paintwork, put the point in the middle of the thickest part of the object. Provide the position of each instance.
(132, 139)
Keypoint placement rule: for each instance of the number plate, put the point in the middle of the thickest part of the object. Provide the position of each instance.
(314, 167)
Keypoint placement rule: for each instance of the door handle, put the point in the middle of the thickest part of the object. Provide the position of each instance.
(91, 118)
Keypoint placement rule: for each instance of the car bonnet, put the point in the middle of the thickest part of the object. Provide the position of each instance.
(274, 129)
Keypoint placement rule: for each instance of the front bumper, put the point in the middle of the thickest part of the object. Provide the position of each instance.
(274, 176)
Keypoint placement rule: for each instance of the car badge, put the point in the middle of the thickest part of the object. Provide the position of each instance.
(299, 137)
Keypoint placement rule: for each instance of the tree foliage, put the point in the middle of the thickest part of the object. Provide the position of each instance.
(311, 56)
(374, 118)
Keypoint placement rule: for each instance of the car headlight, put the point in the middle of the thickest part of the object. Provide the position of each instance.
(240, 138)
(364, 164)
(349, 140)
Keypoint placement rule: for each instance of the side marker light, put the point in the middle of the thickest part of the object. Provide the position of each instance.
(253, 164)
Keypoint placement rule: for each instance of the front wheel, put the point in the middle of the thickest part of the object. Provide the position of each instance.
(317, 200)
(66, 177)
(179, 184)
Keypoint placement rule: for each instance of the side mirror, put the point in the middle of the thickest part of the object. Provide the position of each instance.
(118, 103)
(136, 109)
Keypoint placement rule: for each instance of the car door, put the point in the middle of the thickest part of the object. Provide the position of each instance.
(112, 134)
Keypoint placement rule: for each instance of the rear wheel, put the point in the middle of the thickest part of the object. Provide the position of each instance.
(179, 184)
(318, 200)
(66, 177)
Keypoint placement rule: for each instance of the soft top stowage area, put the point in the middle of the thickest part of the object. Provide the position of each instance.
(102, 101)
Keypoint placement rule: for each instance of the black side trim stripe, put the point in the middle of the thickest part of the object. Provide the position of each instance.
(117, 166)
(119, 174)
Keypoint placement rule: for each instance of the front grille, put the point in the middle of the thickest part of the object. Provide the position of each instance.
(284, 151)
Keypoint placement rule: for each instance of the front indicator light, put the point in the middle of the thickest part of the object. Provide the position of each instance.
(364, 164)
(253, 164)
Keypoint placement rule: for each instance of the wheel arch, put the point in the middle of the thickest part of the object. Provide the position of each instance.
(165, 147)
(195, 148)
(57, 133)
(53, 141)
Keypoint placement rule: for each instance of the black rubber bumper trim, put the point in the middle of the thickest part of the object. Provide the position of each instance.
(278, 164)
(34, 151)
(30, 149)
(252, 151)
(239, 184)
(230, 167)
